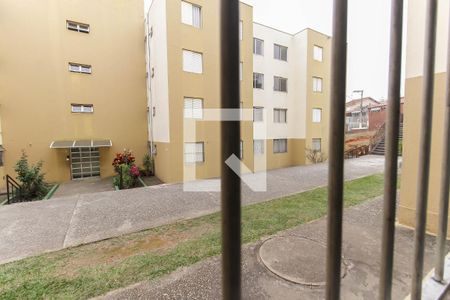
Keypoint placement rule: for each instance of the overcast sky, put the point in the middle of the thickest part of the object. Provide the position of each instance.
(368, 35)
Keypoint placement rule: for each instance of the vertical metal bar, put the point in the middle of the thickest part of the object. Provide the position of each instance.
(230, 144)
(425, 148)
(336, 150)
(445, 182)
(391, 162)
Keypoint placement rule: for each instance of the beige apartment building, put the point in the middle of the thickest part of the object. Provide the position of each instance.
(284, 88)
(412, 112)
(72, 85)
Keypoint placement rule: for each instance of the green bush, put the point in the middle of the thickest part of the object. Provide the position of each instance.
(148, 165)
(31, 178)
(128, 179)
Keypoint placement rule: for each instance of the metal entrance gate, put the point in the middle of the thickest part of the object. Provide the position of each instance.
(84, 163)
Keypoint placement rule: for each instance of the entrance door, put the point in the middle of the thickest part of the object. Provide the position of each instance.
(84, 163)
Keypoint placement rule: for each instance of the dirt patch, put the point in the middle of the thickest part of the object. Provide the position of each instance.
(112, 252)
(358, 139)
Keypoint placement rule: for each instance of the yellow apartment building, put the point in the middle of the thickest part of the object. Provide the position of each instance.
(412, 112)
(72, 85)
(284, 85)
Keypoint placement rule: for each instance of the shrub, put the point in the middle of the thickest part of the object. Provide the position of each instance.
(314, 156)
(148, 165)
(127, 172)
(31, 178)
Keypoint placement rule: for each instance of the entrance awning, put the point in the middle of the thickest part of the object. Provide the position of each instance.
(81, 144)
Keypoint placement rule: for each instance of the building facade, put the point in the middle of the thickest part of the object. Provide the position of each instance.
(413, 109)
(284, 87)
(72, 85)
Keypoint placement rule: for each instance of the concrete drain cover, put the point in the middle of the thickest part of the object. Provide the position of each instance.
(296, 259)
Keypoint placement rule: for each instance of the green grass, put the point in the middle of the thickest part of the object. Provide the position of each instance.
(94, 269)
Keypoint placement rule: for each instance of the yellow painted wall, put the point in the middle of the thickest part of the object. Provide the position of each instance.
(169, 158)
(412, 127)
(36, 88)
(314, 99)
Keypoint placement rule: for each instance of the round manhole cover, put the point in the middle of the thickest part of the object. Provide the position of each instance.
(297, 259)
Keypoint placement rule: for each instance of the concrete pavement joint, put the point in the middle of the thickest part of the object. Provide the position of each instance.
(70, 222)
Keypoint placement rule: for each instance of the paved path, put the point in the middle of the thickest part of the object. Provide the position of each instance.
(28, 229)
(361, 251)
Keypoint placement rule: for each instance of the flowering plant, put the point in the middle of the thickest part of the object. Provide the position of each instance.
(127, 172)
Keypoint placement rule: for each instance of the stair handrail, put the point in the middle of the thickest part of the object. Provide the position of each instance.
(12, 190)
(377, 137)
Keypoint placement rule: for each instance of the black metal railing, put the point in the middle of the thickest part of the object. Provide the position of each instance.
(230, 137)
(12, 190)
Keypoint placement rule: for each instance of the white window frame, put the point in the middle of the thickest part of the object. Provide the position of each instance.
(79, 27)
(193, 108)
(80, 68)
(317, 84)
(199, 156)
(258, 147)
(262, 79)
(316, 115)
(318, 53)
(191, 68)
(258, 114)
(278, 114)
(82, 108)
(277, 84)
(241, 71)
(188, 17)
(277, 146)
(255, 48)
(241, 149)
(241, 30)
(279, 52)
(314, 142)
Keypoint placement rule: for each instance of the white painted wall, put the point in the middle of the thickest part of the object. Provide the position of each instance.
(158, 89)
(294, 70)
(416, 37)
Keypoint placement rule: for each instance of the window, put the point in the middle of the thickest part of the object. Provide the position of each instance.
(194, 152)
(191, 14)
(258, 114)
(279, 115)
(241, 70)
(317, 115)
(258, 81)
(75, 26)
(241, 30)
(258, 46)
(241, 150)
(193, 108)
(279, 84)
(280, 146)
(258, 147)
(192, 62)
(318, 53)
(317, 144)
(1, 155)
(79, 68)
(82, 108)
(280, 52)
(317, 84)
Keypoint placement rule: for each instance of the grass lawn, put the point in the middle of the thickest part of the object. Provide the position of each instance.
(94, 269)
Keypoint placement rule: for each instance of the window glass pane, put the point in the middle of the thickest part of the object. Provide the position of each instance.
(280, 52)
(318, 53)
(280, 84)
(317, 144)
(258, 46)
(241, 30)
(258, 114)
(258, 81)
(317, 115)
(196, 16)
(192, 62)
(186, 13)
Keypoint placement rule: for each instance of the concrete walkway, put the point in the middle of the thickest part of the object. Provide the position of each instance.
(28, 229)
(361, 251)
